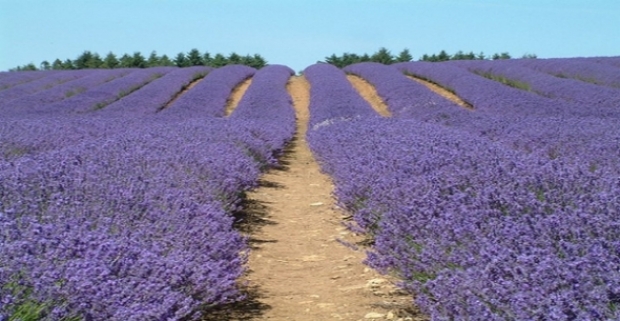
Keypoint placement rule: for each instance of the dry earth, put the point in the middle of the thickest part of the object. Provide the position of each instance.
(236, 95)
(368, 92)
(443, 92)
(299, 266)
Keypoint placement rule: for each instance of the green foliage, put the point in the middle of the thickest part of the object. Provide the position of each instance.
(110, 61)
(194, 58)
(89, 59)
(506, 81)
(404, 56)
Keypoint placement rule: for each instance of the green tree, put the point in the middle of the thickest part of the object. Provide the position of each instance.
(45, 65)
(94, 62)
(334, 60)
(207, 59)
(57, 64)
(234, 59)
(110, 61)
(443, 56)
(181, 60)
(68, 64)
(138, 60)
(481, 56)
(382, 56)
(404, 56)
(258, 62)
(153, 60)
(165, 61)
(81, 62)
(125, 61)
(194, 58)
(219, 61)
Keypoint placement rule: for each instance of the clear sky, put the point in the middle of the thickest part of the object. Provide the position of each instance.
(299, 33)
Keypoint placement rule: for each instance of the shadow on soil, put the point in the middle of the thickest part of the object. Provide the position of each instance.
(251, 217)
(248, 309)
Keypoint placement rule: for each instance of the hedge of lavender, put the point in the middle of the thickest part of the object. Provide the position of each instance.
(26, 104)
(586, 94)
(476, 230)
(209, 97)
(100, 96)
(10, 79)
(521, 120)
(40, 84)
(583, 69)
(130, 220)
(154, 97)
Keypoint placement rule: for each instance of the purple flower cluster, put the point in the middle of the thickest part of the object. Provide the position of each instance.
(40, 84)
(477, 230)
(521, 120)
(152, 98)
(105, 94)
(266, 102)
(208, 97)
(29, 103)
(128, 218)
(10, 79)
(584, 69)
(587, 95)
(333, 98)
(404, 97)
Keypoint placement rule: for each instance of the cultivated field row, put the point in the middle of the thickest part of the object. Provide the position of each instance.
(494, 196)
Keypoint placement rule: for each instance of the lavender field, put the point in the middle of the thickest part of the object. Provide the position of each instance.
(118, 187)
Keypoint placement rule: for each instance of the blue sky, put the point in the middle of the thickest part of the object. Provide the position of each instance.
(298, 33)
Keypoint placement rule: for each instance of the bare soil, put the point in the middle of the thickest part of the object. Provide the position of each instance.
(304, 264)
(368, 92)
(443, 92)
(236, 95)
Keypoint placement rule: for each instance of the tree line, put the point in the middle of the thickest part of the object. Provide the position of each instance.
(384, 56)
(136, 60)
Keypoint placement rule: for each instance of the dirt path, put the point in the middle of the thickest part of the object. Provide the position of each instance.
(236, 95)
(298, 267)
(443, 92)
(369, 93)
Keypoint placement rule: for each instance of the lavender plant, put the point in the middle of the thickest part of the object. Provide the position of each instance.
(152, 98)
(209, 96)
(111, 217)
(476, 230)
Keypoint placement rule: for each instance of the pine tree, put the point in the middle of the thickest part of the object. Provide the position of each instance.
(125, 61)
(194, 58)
(110, 61)
(45, 65)
(165, 61)
(181, 60)
(138, 60)
(234, 59)
(207, 59)
(404, 56)
(81, 62)
(153, 60)
(382, 56)
(219, 61)
(57, 64)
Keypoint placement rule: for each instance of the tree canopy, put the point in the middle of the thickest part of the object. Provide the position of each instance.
(194, 57)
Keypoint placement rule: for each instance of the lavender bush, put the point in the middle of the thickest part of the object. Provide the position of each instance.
(209, 96)
(590, 96)
(10, 79)
(40, 84)
(26, 104)
(107, 217)
(539, 242)
(152, 98)
(584, 70)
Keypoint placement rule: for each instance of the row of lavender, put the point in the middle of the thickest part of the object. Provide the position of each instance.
(105, 215)
(479, 222)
